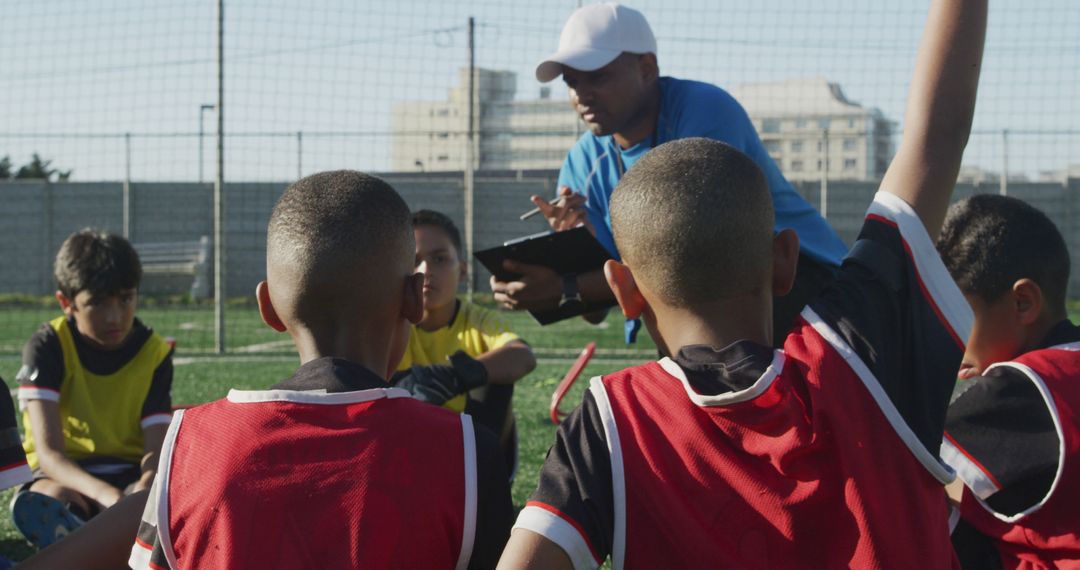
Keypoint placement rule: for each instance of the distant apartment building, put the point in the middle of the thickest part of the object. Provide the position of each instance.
(811, 130)
(508, 134)
(807, 125)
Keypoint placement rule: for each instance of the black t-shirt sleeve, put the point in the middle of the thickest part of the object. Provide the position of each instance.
(148, 553)
(494, 508)
(573, 505)
(13, 468)
(897, 308)
(42, 369)
(1002, 440)
(157, 408)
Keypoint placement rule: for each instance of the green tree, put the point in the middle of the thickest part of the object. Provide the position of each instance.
(40, 169)
(5, 167)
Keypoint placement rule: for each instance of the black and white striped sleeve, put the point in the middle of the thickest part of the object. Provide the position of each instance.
(13, 468)
(147, 552)
(897, 309)
(573, 505)
(1001, 436)
(42, 371)
(157, 407)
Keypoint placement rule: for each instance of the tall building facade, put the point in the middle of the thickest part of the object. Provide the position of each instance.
(813, 131)
(808, 126)
(508, 134)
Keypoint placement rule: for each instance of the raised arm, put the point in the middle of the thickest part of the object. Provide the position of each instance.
(940, 109)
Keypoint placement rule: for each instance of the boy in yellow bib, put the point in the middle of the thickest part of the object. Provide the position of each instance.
(95, 392)
(460, 355)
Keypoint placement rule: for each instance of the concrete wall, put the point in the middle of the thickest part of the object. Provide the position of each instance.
(37, 217)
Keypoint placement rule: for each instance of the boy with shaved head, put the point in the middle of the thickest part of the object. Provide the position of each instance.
(330, 468)
(730, 454)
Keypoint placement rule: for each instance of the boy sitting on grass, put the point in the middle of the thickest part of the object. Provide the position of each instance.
(461, 346)
(731, 454)
(95, 388)
(331, 467)
(1013, 428)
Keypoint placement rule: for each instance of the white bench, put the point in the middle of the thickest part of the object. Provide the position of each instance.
(179, 258)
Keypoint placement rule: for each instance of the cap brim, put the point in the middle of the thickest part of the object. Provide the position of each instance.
(581, 59)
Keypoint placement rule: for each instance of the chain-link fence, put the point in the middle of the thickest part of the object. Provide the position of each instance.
(121, 101)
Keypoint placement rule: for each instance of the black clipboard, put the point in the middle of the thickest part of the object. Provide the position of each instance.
(569, 252)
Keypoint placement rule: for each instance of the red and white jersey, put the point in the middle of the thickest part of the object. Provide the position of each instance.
(821, 455)
(295, 479)
(1042, 531)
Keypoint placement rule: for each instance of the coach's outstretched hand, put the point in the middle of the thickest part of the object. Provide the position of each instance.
(436, 384)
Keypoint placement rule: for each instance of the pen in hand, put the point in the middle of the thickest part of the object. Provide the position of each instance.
(536, 210)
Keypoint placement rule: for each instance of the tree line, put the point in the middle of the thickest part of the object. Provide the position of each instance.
(37, 169)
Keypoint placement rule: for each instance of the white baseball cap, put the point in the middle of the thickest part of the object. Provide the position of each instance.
(594, 36)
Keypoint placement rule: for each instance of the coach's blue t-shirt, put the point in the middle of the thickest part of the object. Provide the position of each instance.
(693, 109)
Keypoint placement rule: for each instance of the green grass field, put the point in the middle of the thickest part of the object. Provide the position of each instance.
(259, 357)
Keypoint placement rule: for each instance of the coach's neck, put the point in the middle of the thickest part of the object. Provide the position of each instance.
(643, 124)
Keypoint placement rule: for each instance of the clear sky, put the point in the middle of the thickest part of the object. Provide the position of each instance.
(334, 69)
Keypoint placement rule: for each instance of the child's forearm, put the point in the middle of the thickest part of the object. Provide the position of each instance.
(508, 363)
(940, 109)
(67, 473)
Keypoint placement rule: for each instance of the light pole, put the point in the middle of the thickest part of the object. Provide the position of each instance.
(202, 111)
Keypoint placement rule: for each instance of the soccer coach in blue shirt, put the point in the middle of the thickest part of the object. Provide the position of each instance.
(607, 58)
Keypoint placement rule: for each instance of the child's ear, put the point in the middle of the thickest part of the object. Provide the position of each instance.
(412, 302)
(622, 283)
(266, 307)
(1028, 301)
(66, 305)
(463, 270)
(785, 260)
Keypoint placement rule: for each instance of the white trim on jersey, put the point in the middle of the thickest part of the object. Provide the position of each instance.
(954, 518)
(15, 474)
(156, 419)
(35, 393)
(558, 530)
(1070, 346)
(618, 475)
(934, 465)
(163, 475)
(973, 476)
(1048, 398)
(140, 557)
(468, 532)
(314, 396)
(753, 391)
(932, 272)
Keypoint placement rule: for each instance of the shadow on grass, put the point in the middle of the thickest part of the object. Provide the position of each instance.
(15, 549)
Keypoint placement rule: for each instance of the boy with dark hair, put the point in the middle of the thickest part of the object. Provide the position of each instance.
(1012, 431)
(332, 467)
(466, 351)
(730, 454)
(95, 389)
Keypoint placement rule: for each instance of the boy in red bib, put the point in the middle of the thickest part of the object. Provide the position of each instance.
(730, 454)
(1013, 428)
(330, 468)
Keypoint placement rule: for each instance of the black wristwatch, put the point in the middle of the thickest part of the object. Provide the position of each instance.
(570, 293)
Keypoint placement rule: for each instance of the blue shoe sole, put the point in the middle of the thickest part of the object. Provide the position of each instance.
(42, 519)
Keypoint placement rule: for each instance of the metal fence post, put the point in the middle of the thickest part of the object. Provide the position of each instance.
(219, 188)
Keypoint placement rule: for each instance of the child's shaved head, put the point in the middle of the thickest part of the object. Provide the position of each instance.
(337, 241)
(693, 219)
